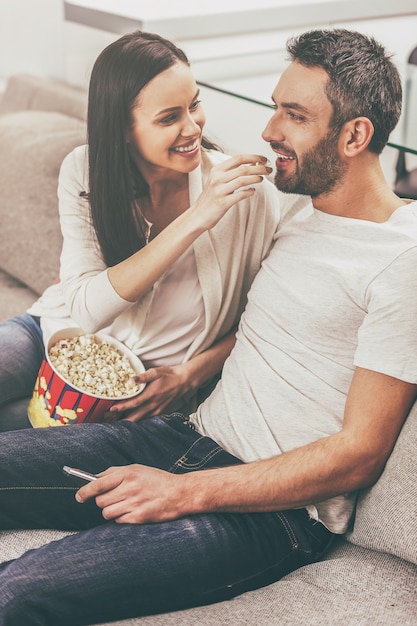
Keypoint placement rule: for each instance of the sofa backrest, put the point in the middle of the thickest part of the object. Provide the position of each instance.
(26, 92)
(386, 514)
(41, 121)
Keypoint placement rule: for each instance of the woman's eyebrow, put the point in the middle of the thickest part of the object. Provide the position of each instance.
(170, 109)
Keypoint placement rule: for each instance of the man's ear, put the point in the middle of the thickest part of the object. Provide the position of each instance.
(356, 135)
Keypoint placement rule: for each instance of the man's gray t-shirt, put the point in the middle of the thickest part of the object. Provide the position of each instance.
(334, 293)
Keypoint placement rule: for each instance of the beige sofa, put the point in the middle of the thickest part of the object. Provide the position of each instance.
(370, 575)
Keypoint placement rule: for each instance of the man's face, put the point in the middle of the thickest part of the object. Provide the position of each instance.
(299, 133)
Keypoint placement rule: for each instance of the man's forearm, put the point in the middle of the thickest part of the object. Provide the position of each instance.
(351, 459)
(310, 474)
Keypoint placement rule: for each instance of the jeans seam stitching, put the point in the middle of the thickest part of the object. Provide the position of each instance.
(288, 529)
(208, 457)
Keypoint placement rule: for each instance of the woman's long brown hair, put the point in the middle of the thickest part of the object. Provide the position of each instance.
(115, 185)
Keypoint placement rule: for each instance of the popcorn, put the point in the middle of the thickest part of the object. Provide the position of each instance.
(96, 367)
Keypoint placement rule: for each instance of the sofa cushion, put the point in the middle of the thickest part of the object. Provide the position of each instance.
(351, 586)
(14, 297)
(386, 514)
(32, 147)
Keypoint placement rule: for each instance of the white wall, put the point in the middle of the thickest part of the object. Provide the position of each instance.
(32, 38)
(35, 38)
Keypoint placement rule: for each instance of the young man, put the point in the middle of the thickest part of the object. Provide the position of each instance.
(312, 397)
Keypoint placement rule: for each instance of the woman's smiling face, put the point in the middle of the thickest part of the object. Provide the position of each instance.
(167, 123)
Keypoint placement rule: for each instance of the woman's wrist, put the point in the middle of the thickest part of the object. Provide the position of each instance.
(188, 376)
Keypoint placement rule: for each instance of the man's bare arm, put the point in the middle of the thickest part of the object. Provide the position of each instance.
(376, 408)
(375, 411)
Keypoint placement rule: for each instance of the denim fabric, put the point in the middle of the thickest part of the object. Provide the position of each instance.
(110, 571)
(21, 354)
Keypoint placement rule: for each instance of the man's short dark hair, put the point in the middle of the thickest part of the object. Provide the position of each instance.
(363, 81)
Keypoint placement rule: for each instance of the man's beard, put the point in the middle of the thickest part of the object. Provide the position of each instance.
(320, 171)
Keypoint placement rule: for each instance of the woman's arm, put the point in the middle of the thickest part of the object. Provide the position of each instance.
(133, 277)
(88, 294)
(95, 294)
(168, 387)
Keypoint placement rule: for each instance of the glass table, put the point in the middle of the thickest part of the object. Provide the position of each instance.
(252, 80)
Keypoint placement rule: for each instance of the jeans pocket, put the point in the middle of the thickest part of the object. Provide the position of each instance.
(203, 453)
(312, 537)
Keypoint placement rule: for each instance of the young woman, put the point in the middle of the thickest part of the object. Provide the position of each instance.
(162, 235)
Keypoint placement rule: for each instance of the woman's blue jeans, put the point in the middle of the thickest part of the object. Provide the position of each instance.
(21, 354)
(109, 571)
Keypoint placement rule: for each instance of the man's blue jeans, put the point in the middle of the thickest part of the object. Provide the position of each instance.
(110, 571)
(21, 354)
